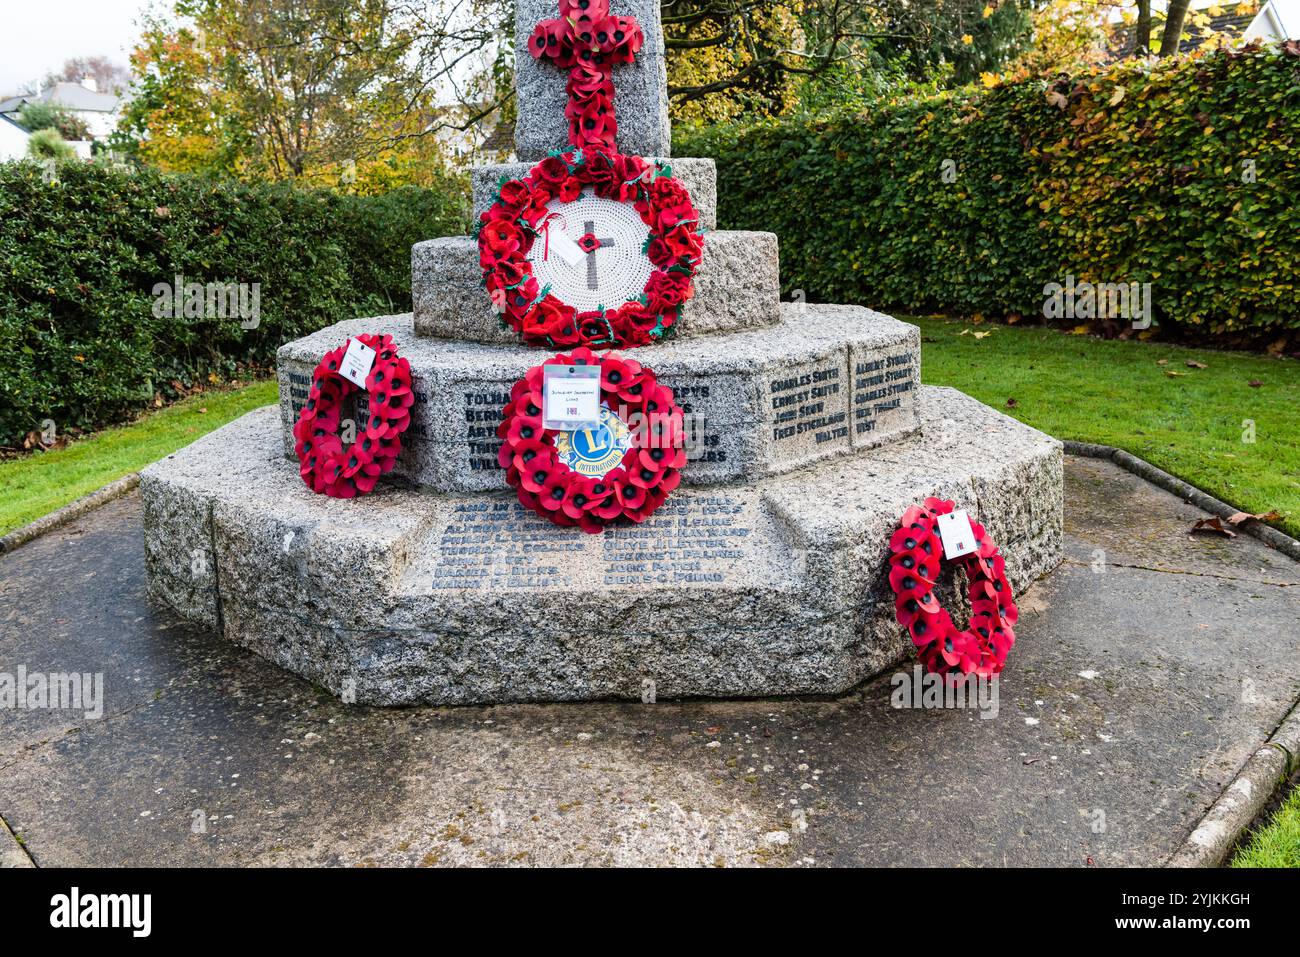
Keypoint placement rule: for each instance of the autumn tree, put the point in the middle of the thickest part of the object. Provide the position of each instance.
(319, 91)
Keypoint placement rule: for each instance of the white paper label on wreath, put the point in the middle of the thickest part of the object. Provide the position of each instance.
(560, 243)
(357, 362)
(956, 534)
(612, 273)
(570, 397)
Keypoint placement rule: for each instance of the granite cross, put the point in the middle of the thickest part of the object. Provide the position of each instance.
(587, 41)
(590, 227)
(541, 87)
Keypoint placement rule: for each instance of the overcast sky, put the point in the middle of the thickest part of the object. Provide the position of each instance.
(36, 36)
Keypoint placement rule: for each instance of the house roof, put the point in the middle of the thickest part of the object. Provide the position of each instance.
(1228, 24)
(74, 96)
(501, 138)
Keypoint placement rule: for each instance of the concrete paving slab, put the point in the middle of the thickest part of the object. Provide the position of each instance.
(1138, 688)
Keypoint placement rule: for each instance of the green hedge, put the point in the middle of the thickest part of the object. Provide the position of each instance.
(80, 257)
(1138, 173)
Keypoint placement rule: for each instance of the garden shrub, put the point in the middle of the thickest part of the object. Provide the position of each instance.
(83, 250)
(1181, 173)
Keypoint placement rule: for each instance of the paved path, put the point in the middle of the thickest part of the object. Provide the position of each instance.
(1131, 700)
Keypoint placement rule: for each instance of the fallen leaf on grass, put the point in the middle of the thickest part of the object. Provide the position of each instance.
(1174, 375)
(1193, 364)
(1213, 525)
(1012, 403)
(1255, 383)
(982, 335)
(1162, 362)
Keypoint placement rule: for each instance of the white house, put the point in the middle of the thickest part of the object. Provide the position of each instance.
(98, 110)
(1276, 20)
(13, 140)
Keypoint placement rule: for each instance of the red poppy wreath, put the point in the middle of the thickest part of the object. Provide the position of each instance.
(326, 464)
(625, 467)
(666, 246)
(982, 647)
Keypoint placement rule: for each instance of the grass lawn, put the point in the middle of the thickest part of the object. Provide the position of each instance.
(1278, 844)
(1188, 421)
(39, 483)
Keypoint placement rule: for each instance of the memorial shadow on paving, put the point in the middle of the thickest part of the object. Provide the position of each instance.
(1149, 666)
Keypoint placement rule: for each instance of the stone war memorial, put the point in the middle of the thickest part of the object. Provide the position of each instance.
(601, 459)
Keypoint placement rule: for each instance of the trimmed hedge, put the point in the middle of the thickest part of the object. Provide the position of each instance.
(79, 260)
(1184, 174)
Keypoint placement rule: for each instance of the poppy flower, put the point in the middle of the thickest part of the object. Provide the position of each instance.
(959, 649)
(645, 475)
(671, 479)
(664, 290)
(570, 190)
(907, 608)
(909, 538)
(608, 506)
(661, 458)
(926, 628)
(683, 241)
(551, 495)
(570, 9)
(503, 237)
(596, 124)
(585, 82)
(535, 475)
(579, 498)
(633, 387)
(526, 454)
(553, 170)
(522, 428)
(630, 495)
(553, 40)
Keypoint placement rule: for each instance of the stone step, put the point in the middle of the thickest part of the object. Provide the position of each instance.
(737, 287)
(402, 597)
(826, 381)
(699, 176)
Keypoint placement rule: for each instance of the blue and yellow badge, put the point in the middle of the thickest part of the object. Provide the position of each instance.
(597, 451)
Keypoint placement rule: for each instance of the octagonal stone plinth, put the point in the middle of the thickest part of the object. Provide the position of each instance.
(771, 587)
(828, 381)
(738, 286)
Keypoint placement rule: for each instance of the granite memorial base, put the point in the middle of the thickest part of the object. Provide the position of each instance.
(775, 586)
